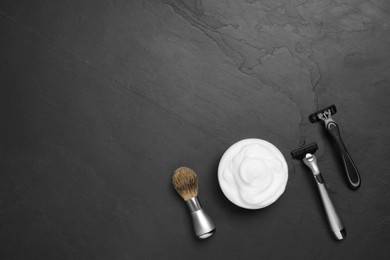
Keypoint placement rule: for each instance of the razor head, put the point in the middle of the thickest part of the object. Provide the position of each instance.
(316, 116)
(300, 153)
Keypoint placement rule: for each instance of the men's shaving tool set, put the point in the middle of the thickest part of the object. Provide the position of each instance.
(253, 174)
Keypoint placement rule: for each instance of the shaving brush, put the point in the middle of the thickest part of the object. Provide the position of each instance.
(185, 182)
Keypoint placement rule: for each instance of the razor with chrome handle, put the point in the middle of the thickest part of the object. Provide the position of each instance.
(351, 172)
(306, 154)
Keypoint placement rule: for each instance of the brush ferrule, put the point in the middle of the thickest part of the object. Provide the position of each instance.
(193, 204)
(311, 161)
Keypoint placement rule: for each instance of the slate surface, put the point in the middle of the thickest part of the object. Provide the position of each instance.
(101, 100)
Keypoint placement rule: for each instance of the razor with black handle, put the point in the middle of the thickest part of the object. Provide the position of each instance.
(306, 154)
(352, 173)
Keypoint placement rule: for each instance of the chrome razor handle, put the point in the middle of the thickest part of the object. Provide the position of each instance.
(335, 223)
(336, 226)
(202, 223)
(352, 173)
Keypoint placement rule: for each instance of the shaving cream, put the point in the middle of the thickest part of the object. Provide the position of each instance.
(252, 173)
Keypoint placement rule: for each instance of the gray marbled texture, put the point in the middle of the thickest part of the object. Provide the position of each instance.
(101, 100)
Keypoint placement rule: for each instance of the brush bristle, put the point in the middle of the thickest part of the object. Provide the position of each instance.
(185, 182)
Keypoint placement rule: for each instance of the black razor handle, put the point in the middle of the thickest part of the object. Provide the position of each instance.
(352, 173)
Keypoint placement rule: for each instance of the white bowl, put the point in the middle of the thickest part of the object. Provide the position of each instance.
(253, 173)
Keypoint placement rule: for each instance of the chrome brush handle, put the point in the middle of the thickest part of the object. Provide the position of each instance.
(334, 221)
(202, 223)
(352, 173)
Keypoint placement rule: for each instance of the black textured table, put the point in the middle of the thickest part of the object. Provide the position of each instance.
(101, 100)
